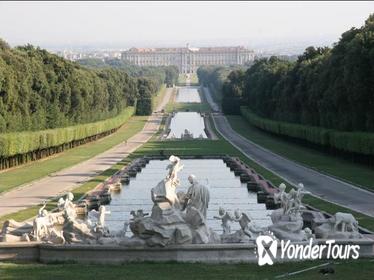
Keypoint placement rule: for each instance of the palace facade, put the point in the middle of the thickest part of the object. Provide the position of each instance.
(188, 59)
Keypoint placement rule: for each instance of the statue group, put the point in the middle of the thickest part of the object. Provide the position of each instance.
(178, 217)
(287, 220)
(59, 227)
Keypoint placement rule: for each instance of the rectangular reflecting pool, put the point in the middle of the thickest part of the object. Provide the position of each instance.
(226, 190)
(188, 94)
(192, 121)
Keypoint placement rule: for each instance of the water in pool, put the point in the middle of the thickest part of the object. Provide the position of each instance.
(192, 121)
(188, 94)
(226, 190)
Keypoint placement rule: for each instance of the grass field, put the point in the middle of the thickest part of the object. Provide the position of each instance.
(355, 173)
(182, 79)
(193, 107)
(156, 99)
(194, 79)
(345, 270)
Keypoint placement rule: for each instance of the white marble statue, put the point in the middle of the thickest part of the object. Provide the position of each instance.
(309, 234)
(42, 224)
(288, 221)
(248, 229)
(97, 218)
(67, 205)
(187, 134)
(294, 199)
(247, 226)
(164, 194)
(57, 227)
(44, 227)
(174, 167)
(226, 218)
(339, 226)
(290, 202)
(282, 197)
(197, 196)
(346, 221)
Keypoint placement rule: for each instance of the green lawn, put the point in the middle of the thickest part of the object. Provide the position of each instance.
(182, 79)
(193, 107)
(194, 79)
(156, 99)
(360, 269)
(358, 174)
(38, 169)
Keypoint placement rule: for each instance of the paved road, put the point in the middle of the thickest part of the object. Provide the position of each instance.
(318, 184)
(72, 177)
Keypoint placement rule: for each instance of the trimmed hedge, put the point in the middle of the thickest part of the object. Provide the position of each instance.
(354, 142)
(357, 142)
(24, 142)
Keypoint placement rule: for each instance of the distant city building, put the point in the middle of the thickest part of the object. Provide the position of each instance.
(99, 54)
(188, 59)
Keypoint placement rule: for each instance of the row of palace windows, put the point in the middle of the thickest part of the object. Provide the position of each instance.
(209, 59)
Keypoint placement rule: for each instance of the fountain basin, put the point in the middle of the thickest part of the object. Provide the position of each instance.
(188, 94)
(192, 122)
(225, 188)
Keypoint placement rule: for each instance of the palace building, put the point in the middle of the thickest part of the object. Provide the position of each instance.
(188, 59)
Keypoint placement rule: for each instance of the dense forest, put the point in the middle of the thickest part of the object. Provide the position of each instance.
(325, 97)
(39, 90)
(159, 75)
(331, 88)
(215, 76)
(150, 78)
(48, 104)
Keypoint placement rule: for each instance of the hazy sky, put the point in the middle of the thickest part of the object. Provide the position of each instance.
(176, 23)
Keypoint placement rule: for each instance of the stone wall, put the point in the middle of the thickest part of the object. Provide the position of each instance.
(101, 254)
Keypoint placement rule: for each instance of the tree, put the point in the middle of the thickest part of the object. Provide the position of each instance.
(144, 102)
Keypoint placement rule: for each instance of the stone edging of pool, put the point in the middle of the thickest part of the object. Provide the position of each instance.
(114, 254)
(207, 124)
